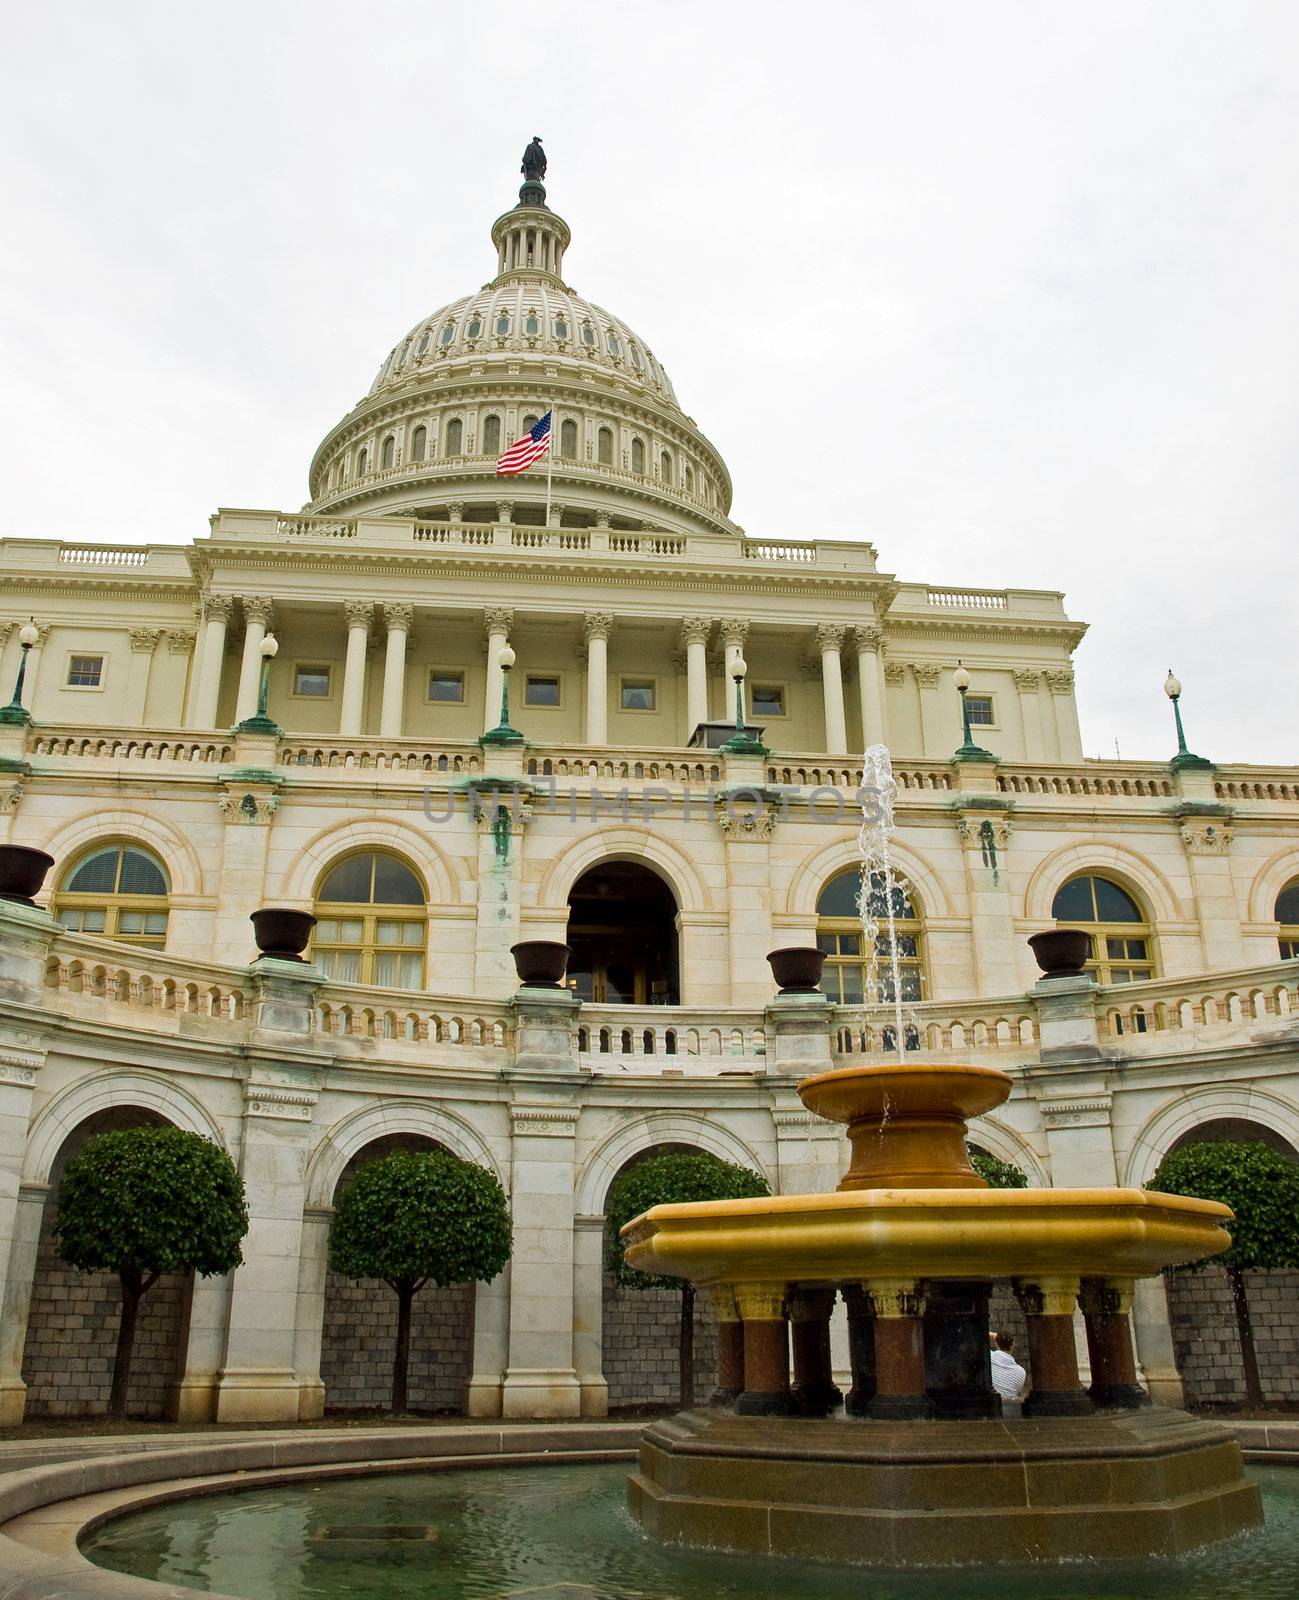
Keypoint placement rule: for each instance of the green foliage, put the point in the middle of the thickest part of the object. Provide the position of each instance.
(1259, 1184)
(148, 1200)
(995, 1172)
(670, 1180)
(419, 1217)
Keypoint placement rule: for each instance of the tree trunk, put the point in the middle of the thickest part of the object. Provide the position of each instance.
(401, 1355)
(132, 1292)
(1245, 1333)
(687, 1348)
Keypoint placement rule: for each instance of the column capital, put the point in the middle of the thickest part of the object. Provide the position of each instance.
(895, 1297)
(359, 613)
(597, 625)
(895, 672)
(259, 608)
(734, 630)
(456, 511)
(218, 607)
(760, 1302)
(144, 641)
(1060, 681)
(398, 616)
(725, 1308)
(180, 641)
(928, 673)
(1106, 1297)
(1047, 1296)
(505, 511)
(868, 640)
(499, 619)
(830, 636)
(810, 1305)
(695, 630)
(1027, 678)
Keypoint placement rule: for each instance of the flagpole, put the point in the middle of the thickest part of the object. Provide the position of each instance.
(550, 457)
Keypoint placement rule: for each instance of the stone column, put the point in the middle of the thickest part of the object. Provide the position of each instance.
(861, 1349)
(1065, 709)
(1027, 680)
(541, 1379)
(491, 1347)
(899, 1349)
(1106, 1304)
(814, 1392)
(499, 620)
(1153, 1334)
(359, 614)
(588, 1315)
(313, 1268)
(694, 644)
(398, 618)
(734, 631)
(829, 639)
(596, 628)
(1048, 1304)
(766, 1350)
(730, 1347)
(929, 677)
(144, 641)
(505, 511)
(869, 643)
(217, 610)
(258, 616)
(21, 1210)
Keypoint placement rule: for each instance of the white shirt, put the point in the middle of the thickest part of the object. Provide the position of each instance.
(1008, 1377)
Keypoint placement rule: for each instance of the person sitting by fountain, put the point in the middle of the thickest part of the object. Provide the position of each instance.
(1008, 1377)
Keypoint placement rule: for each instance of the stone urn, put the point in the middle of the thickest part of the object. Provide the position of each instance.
(1061, 952)
(540, 963)
(797, 968)
(22, 872)
(281, 933)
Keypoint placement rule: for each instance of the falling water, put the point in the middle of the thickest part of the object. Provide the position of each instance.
(879, 790)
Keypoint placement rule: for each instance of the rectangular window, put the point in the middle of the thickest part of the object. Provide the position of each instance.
(980, 708)
(767, 700)
(446, 687)
(638, 694)
(311, 683)
(541, 691)
(85, 672)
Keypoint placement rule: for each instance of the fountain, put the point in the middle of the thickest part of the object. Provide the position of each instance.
(923, 1469)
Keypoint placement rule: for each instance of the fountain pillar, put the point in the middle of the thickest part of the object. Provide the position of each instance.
(899, 1349)
(766, 1350)
(861, 1349)
(815, 1393)
(1106, 1304)
(1047, 1304)
(730, 1347)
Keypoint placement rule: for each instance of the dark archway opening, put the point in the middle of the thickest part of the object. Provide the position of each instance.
(622, 932)
(73, 1321)
(1235, 1130)
(359, 1334)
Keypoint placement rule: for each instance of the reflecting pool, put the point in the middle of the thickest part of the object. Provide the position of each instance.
(563, 1533)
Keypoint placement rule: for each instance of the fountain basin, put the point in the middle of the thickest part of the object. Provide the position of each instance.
(927, 1233)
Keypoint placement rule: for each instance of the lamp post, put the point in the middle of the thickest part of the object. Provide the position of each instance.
(742, 742)
(503, 733)
(969, 751)
(16, 714)
(261, 723)
(1184, 757)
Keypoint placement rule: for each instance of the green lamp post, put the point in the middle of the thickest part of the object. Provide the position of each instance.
(16, 714)
(261, 723)
(1184, 757)
(742, 742)
(969, 751)
(503, 733)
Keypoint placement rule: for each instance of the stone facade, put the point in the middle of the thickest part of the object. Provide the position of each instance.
(359, 1337)
(1207, 1344)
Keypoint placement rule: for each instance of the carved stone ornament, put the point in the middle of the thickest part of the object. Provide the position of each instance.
(489, 807)
(218, 607)
(695, 630)
(1060, 682)
(597, 625)
(974, 829)
(830, 635)
(259, 608)
(745, 821)
(11, 794)
(359, 613)
(734, 630)
(398, 616)
(1076, 1113)
(144, 641)
(1027, 679)
(868, 639)
(895, 672)
(499, 619)
(19, 1069)
(928, 673)
(180, 641)
(279, 1105)
(1206, 838)
(248, 805)
(544, 1122)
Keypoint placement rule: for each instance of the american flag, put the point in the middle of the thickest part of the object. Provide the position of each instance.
(523, 452)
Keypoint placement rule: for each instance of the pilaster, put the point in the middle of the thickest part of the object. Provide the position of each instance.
(747, 819)
(983, 826)
(21, 1212)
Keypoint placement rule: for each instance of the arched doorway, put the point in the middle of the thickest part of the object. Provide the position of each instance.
(72, 1324)
(622, 932)
(359, 1334)
(1235, 1130)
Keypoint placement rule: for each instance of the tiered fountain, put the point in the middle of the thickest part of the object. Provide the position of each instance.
(923, 1469)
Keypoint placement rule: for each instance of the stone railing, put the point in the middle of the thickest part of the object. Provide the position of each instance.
(127, 744)
(662, 1039)
(376, 754)
(798, 550)
(824, 772)
(93, 555)
(144, 980)
(1139, 779)
(1216, 999)
(596, 764)
(314, 528)
(969, 599)
(1256, 783)
(366, 1012)
(939, 1028)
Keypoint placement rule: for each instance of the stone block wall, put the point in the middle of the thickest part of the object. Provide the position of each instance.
(1206, 1344)
(641, 1345)
(72, 1339)
(360, 1336)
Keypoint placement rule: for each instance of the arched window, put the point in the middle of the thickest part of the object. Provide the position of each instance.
(370, 922)
(362, 463)
(690, 478)
(635, 356)
(1287, 914)
(1121, 950)
(561, 329)
(839, 933)
(638, 455)
(419, 443)
(532, 325)
(118, 890)
(475, 328)
(422, 346)
(604, 447)
(568, 438)
(530, 421)
(503, 325)
(448, 333)
(491, 436)
(665, 466)
(614, 343)
(588, 336)
(388, 455)
(455, 436)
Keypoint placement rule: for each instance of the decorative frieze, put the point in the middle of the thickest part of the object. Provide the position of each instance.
(1076, 1113)
(544, 1122)
(1206, 838)
(279, 1105)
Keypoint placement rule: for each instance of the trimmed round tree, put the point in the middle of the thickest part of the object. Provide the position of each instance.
(144, 1201)
(1262, 1188)
(414, 1218)
(995, 1172)
(671, 1180)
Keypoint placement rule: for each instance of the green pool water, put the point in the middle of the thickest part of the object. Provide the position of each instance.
(563, 1533)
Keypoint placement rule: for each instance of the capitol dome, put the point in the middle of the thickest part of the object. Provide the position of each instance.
(468, 380)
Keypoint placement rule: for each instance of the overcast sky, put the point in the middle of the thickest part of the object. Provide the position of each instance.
(1008, 289)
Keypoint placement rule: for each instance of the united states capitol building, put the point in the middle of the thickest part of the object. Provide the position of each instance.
(626, 821)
